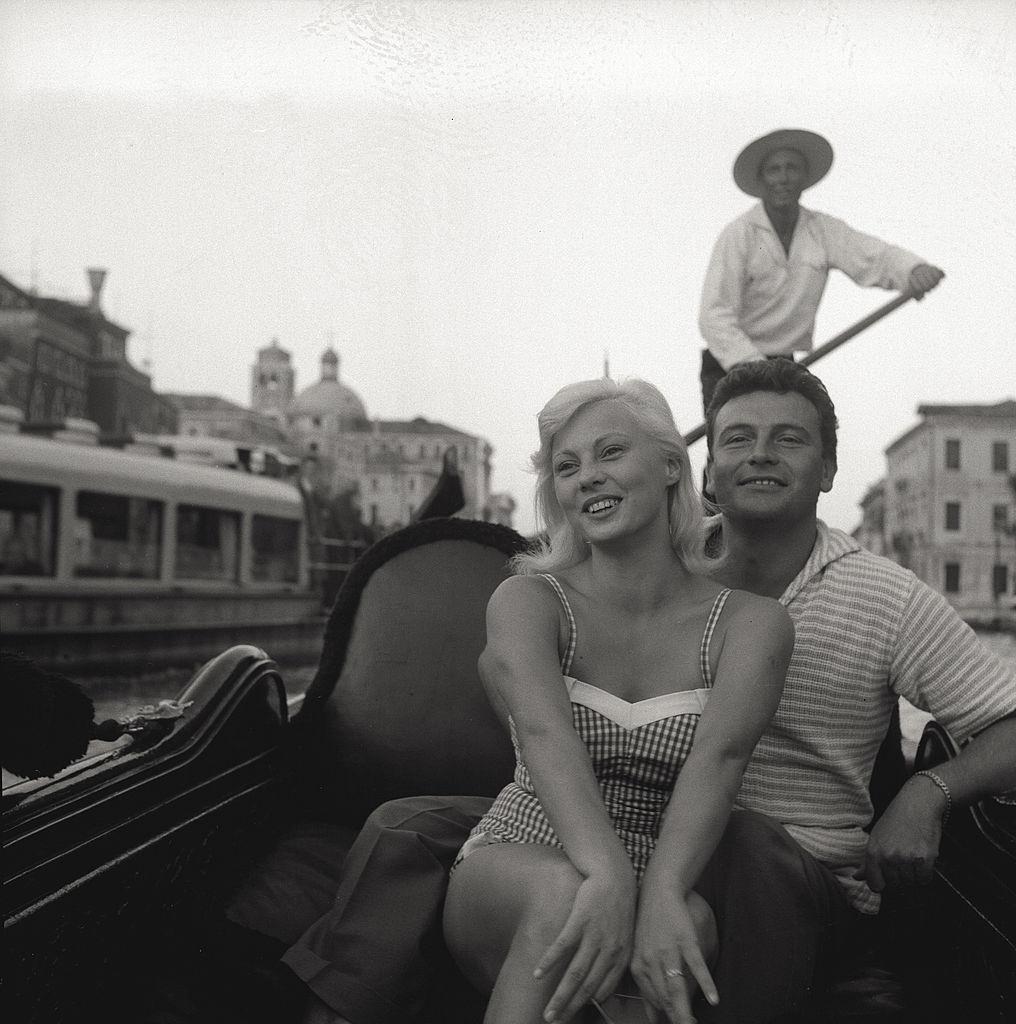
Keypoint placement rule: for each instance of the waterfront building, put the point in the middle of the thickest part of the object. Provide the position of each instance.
(211, 416)
(950, 505)
(381, 469)
(387, 467)
(870, 533)
(402, 461)
(63, 360)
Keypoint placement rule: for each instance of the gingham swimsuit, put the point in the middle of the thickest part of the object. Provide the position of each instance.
(637, 751)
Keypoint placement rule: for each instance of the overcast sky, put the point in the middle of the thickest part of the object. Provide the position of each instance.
(473, 201)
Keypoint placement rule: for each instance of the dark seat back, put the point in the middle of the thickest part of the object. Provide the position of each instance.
(396, 707)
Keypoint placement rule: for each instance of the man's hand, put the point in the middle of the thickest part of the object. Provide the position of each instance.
(904, 842)
(923, 278)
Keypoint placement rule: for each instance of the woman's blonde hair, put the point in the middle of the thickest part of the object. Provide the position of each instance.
(560, 546)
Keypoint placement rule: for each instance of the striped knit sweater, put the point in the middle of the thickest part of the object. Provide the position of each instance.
(867, 631)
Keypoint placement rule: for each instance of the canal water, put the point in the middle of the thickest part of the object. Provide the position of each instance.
(115, 697)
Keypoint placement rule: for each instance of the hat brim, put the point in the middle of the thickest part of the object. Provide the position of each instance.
(814, 147)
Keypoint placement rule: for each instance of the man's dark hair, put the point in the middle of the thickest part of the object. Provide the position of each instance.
(782, 376)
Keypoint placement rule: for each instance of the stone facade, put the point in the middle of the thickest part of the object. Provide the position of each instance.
(388, 467)
(272, 382)
(871, 531)
(211, 416)
(64, 360)
(950, 505)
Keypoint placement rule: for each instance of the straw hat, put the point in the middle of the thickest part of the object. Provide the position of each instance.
(815, 148)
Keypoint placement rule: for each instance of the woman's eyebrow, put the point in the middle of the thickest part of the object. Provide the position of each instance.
(596, 443)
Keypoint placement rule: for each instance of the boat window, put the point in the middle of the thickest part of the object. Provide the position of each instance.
(116, 536)
(276, 550)
(28, 516)
(207, 543)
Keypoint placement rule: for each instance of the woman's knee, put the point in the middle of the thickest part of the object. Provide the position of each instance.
(506, 898)
(527, 888)
(549, 898)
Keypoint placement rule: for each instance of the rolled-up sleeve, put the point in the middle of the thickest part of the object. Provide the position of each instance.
(865, 259)
(942, 667)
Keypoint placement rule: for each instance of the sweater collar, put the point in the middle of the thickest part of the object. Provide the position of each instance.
(830, 546)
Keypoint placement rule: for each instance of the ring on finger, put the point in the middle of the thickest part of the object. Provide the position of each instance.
(673, 972)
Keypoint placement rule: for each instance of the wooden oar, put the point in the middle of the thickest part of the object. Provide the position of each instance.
(823, 350)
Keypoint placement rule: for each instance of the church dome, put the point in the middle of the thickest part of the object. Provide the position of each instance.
(329, 397)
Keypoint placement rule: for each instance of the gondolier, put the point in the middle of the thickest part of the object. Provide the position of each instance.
(769, 266)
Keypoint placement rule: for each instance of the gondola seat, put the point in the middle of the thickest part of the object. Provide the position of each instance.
(218, 846)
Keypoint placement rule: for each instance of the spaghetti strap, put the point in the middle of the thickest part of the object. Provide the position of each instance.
(569, 653)
(714, 614)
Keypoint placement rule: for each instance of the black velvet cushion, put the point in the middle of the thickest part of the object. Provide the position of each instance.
(397, 707)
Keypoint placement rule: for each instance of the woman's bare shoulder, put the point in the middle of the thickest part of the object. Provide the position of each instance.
(520, 593)
(758, 615)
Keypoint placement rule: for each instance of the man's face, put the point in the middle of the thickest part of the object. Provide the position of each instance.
(767, 463)
(782, 176)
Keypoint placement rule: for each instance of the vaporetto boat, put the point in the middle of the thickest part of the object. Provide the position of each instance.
(114, 559)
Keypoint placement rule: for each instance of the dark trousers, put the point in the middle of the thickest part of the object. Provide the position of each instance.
(374, 958)
(379, 954)
(783, 920)
(709, 376)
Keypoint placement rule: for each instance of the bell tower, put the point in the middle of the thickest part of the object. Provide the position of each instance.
(272, 382)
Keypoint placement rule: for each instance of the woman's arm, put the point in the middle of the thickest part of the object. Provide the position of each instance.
(757, 646)
(520, 667)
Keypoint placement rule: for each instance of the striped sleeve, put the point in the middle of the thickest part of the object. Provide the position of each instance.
(941, 666)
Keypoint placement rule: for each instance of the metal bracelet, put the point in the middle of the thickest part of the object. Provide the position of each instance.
(940, 782)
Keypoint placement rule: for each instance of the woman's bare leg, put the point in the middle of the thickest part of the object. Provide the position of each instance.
(506, 904)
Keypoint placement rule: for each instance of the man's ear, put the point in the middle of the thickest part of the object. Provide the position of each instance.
(828, 475)
(709, 476)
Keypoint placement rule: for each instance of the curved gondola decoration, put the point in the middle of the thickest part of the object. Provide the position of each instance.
(446, 497)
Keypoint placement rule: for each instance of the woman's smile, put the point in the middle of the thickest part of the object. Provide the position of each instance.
(599, 506)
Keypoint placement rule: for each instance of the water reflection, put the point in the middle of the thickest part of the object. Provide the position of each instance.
(115, 697)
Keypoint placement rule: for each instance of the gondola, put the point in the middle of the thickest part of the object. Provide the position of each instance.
(141, 883)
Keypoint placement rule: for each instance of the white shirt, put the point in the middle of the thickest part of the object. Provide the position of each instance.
(759, 301)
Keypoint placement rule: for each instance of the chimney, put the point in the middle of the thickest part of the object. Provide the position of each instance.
(96, 278)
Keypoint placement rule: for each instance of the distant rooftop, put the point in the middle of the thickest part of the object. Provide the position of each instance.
(417, 425)
(1007, 407)
(202, 403)
(274, 346)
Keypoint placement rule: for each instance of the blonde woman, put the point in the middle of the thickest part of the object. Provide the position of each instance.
(609, 656)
